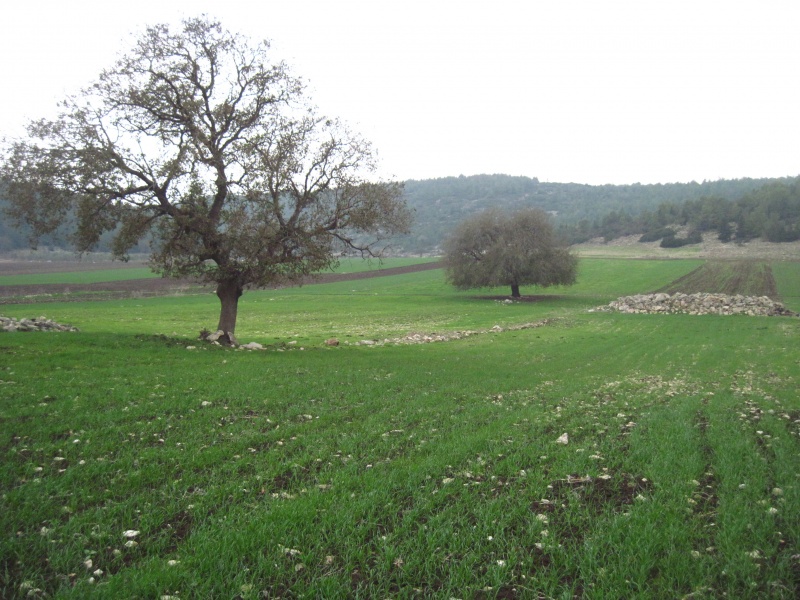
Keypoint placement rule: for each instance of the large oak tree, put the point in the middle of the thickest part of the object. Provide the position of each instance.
(496, 248)
(199, 139)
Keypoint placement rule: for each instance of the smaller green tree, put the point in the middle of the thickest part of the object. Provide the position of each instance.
(496, 248)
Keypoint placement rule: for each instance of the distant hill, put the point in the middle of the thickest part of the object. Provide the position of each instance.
(440, 204)
(580, 211)
(770, 212)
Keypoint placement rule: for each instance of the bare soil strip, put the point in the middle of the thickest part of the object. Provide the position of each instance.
(60, 292)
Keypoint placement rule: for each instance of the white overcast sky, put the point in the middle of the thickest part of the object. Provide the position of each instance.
(600, 91)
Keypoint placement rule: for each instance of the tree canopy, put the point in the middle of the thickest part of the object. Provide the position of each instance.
(496, 248)
(198, 138)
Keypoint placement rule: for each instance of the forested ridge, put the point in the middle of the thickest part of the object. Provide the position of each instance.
(770, 212)
(749, 208)
(739, 209)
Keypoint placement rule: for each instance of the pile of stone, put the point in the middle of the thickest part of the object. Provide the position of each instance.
(38, 324)
(699, 304)
(428, 338)
(225, 338)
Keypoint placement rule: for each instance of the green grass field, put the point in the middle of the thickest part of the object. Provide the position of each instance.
(98, 276)
(136, 467)
(787, 277)
(347, 265)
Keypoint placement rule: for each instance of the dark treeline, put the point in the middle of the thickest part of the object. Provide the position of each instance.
(770, 212)
(13, 237)
(739, 209)
(582, 212)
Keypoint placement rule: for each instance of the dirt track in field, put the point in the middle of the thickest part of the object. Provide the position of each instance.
(138, 288)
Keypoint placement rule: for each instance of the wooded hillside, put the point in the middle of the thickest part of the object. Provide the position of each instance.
(739, 209)
(582, 212)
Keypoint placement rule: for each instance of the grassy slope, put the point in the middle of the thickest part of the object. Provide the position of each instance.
(416, 470)
(368, 308)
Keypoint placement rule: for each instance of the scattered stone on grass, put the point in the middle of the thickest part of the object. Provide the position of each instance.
(252, 346)
(219, 337)
(427, 338)
(37, 324)
(698, 304)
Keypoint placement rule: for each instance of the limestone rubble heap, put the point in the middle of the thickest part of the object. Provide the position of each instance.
(38, 324)
(423, 338)
(699, 304)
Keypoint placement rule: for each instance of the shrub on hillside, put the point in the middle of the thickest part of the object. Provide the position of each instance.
(694, 237)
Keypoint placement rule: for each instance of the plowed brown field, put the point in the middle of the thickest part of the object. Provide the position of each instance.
(748, 278)
(51, 292)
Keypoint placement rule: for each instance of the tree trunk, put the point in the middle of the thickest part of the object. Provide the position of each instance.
(515, 291)
(228, 292)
